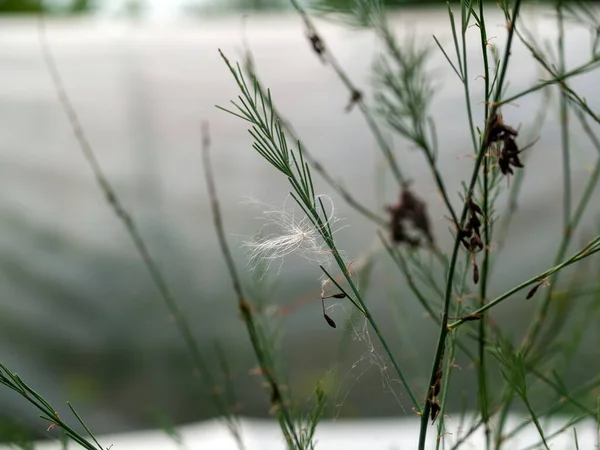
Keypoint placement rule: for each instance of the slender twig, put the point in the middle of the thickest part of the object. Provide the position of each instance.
(556, 433)
(566, 238)
(592, 248)
(481, 365)
(357, 98)
(130, 225)
(564, 125)
(465, 14)
(536, 422)
(444, 328)
(310, 157)
(243, 305)
(49, 414)
(586, 388)
(579, 70)
(402, 264)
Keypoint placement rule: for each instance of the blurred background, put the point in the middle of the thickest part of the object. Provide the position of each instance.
(80, 319)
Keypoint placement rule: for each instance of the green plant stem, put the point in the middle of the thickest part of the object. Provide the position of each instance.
(508, 395)
(128, 221)
(465, 72)
(585, 388)
(373, 323)
(564, 126)
(481, 365)
(244, 307)
(556, 80)
(592, 248)
(364, 109)
(570, 228)
(538, 426)
(445, 388)
(400, 262)
(444, 326)
(312, 160)
(558, 432)
(14, 382)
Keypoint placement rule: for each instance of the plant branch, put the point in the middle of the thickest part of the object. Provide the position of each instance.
(444, 326)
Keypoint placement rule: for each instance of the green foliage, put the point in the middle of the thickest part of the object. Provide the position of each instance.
(12, 381)
(37, 6)
(81, 6)
(20, 6)
(15, 434)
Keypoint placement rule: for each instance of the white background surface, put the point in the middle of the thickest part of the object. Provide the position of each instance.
(388, 434)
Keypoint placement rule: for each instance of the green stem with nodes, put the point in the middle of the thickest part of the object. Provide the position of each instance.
(536, 422)
(592, 248)
(364, 109)
(536, 326)
(569, 425)
(580, 70)
(466, 14)
(481, 365)
(584, 389)
(564, 126)
(262, 356)
(444, 328)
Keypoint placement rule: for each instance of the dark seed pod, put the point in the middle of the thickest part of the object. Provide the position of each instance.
(510, 146)
(474, 223)
(515, 161)
(474, 207)
(330, 321)
(435, 410)
(533, 290)
(475, 273)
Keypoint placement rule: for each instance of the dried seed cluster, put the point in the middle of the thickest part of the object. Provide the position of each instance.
(409, 213)
(470, 235)
(509, 152)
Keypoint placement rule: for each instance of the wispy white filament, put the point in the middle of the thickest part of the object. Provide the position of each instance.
(287, 234)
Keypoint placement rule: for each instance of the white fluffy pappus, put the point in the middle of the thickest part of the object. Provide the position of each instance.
(285, 233)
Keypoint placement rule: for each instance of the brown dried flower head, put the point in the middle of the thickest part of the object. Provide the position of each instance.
(408, 217)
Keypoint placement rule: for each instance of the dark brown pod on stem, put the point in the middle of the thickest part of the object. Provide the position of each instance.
(330, 321)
